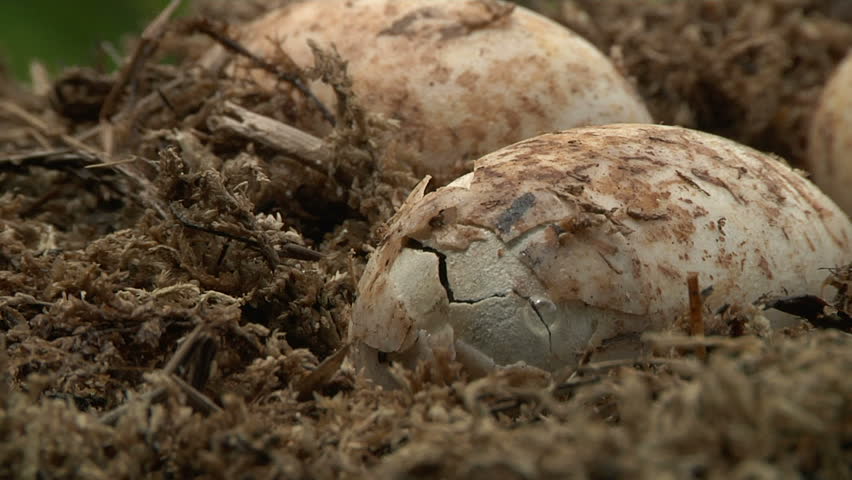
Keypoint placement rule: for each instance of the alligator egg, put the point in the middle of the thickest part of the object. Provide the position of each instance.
(461, 77)
(575, 243)
(830, 140)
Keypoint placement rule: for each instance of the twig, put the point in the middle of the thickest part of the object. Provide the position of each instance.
(146, 103)
(58, 159)
(26, 116)
(111, 164)
(309, 150)
(228, 43)
(199, 400)
(815, 310)
(158, 393)
(88, 133)
(270, 255)
(144, 49)
(602, 366)
(203, 356)
(184, 349)
(45, 129)
(146, 191)
(571, 385)
(696, 303)
(299, 252)
(23, 299)
(155, 395)
(114, 55)
(166, 100)
(321, 375)
(39, 78)
(82, 163)
(74, 162)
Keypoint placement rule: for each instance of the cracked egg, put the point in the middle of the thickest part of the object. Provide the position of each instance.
(575, 243)
(830, 137)
(460, 77)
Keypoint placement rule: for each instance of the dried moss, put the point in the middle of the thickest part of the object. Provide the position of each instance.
(750, 71)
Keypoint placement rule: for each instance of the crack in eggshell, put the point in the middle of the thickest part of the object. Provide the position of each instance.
(555, 218)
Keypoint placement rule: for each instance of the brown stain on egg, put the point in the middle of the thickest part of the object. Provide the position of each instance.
(609, 220)
(463, 78)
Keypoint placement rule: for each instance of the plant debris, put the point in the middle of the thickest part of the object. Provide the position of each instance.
(749, 71)
(176, 280)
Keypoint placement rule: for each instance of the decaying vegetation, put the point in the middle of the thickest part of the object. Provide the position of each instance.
(179, 254)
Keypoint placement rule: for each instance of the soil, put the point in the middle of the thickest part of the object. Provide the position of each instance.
(176, 284)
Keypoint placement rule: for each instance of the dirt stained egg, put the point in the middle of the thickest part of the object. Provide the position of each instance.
(580, 241)
(830, 137)
(461, 77)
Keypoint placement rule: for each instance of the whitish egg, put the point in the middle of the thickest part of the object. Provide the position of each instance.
(461, 77)
(578, 242)
(830, 140)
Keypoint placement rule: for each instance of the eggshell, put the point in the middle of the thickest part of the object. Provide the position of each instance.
(578, 242)
(462, 77)
(830, 139)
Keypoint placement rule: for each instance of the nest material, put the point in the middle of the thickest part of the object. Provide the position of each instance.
(749, 71)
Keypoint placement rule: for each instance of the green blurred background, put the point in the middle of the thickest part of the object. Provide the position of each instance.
(68, 32)
(62, 33)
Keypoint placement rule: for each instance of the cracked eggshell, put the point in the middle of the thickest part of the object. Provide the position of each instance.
(830, 138)
(580, 241)
(462, 77)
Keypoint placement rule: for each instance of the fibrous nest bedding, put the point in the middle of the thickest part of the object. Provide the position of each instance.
(176, 281)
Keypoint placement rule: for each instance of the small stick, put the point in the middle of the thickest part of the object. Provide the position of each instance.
(146, 191)
(23, 299)
(26, 116)
(696, 320)
(144, 49)
(159, 393)
(290, 250)
(183, 350)
(268, 254)
(604, 365)
(112, 416)
(40, 78)
(80, 162)
(230, 44)
(45, 129)
(199, 400)
(571, 385)
(111, 164)
(322, 374)
(112, 52)
(308, 149)
(57, 159)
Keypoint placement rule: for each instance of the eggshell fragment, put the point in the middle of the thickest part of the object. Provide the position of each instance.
(830, 140)
(577, 242)
(462, 77)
